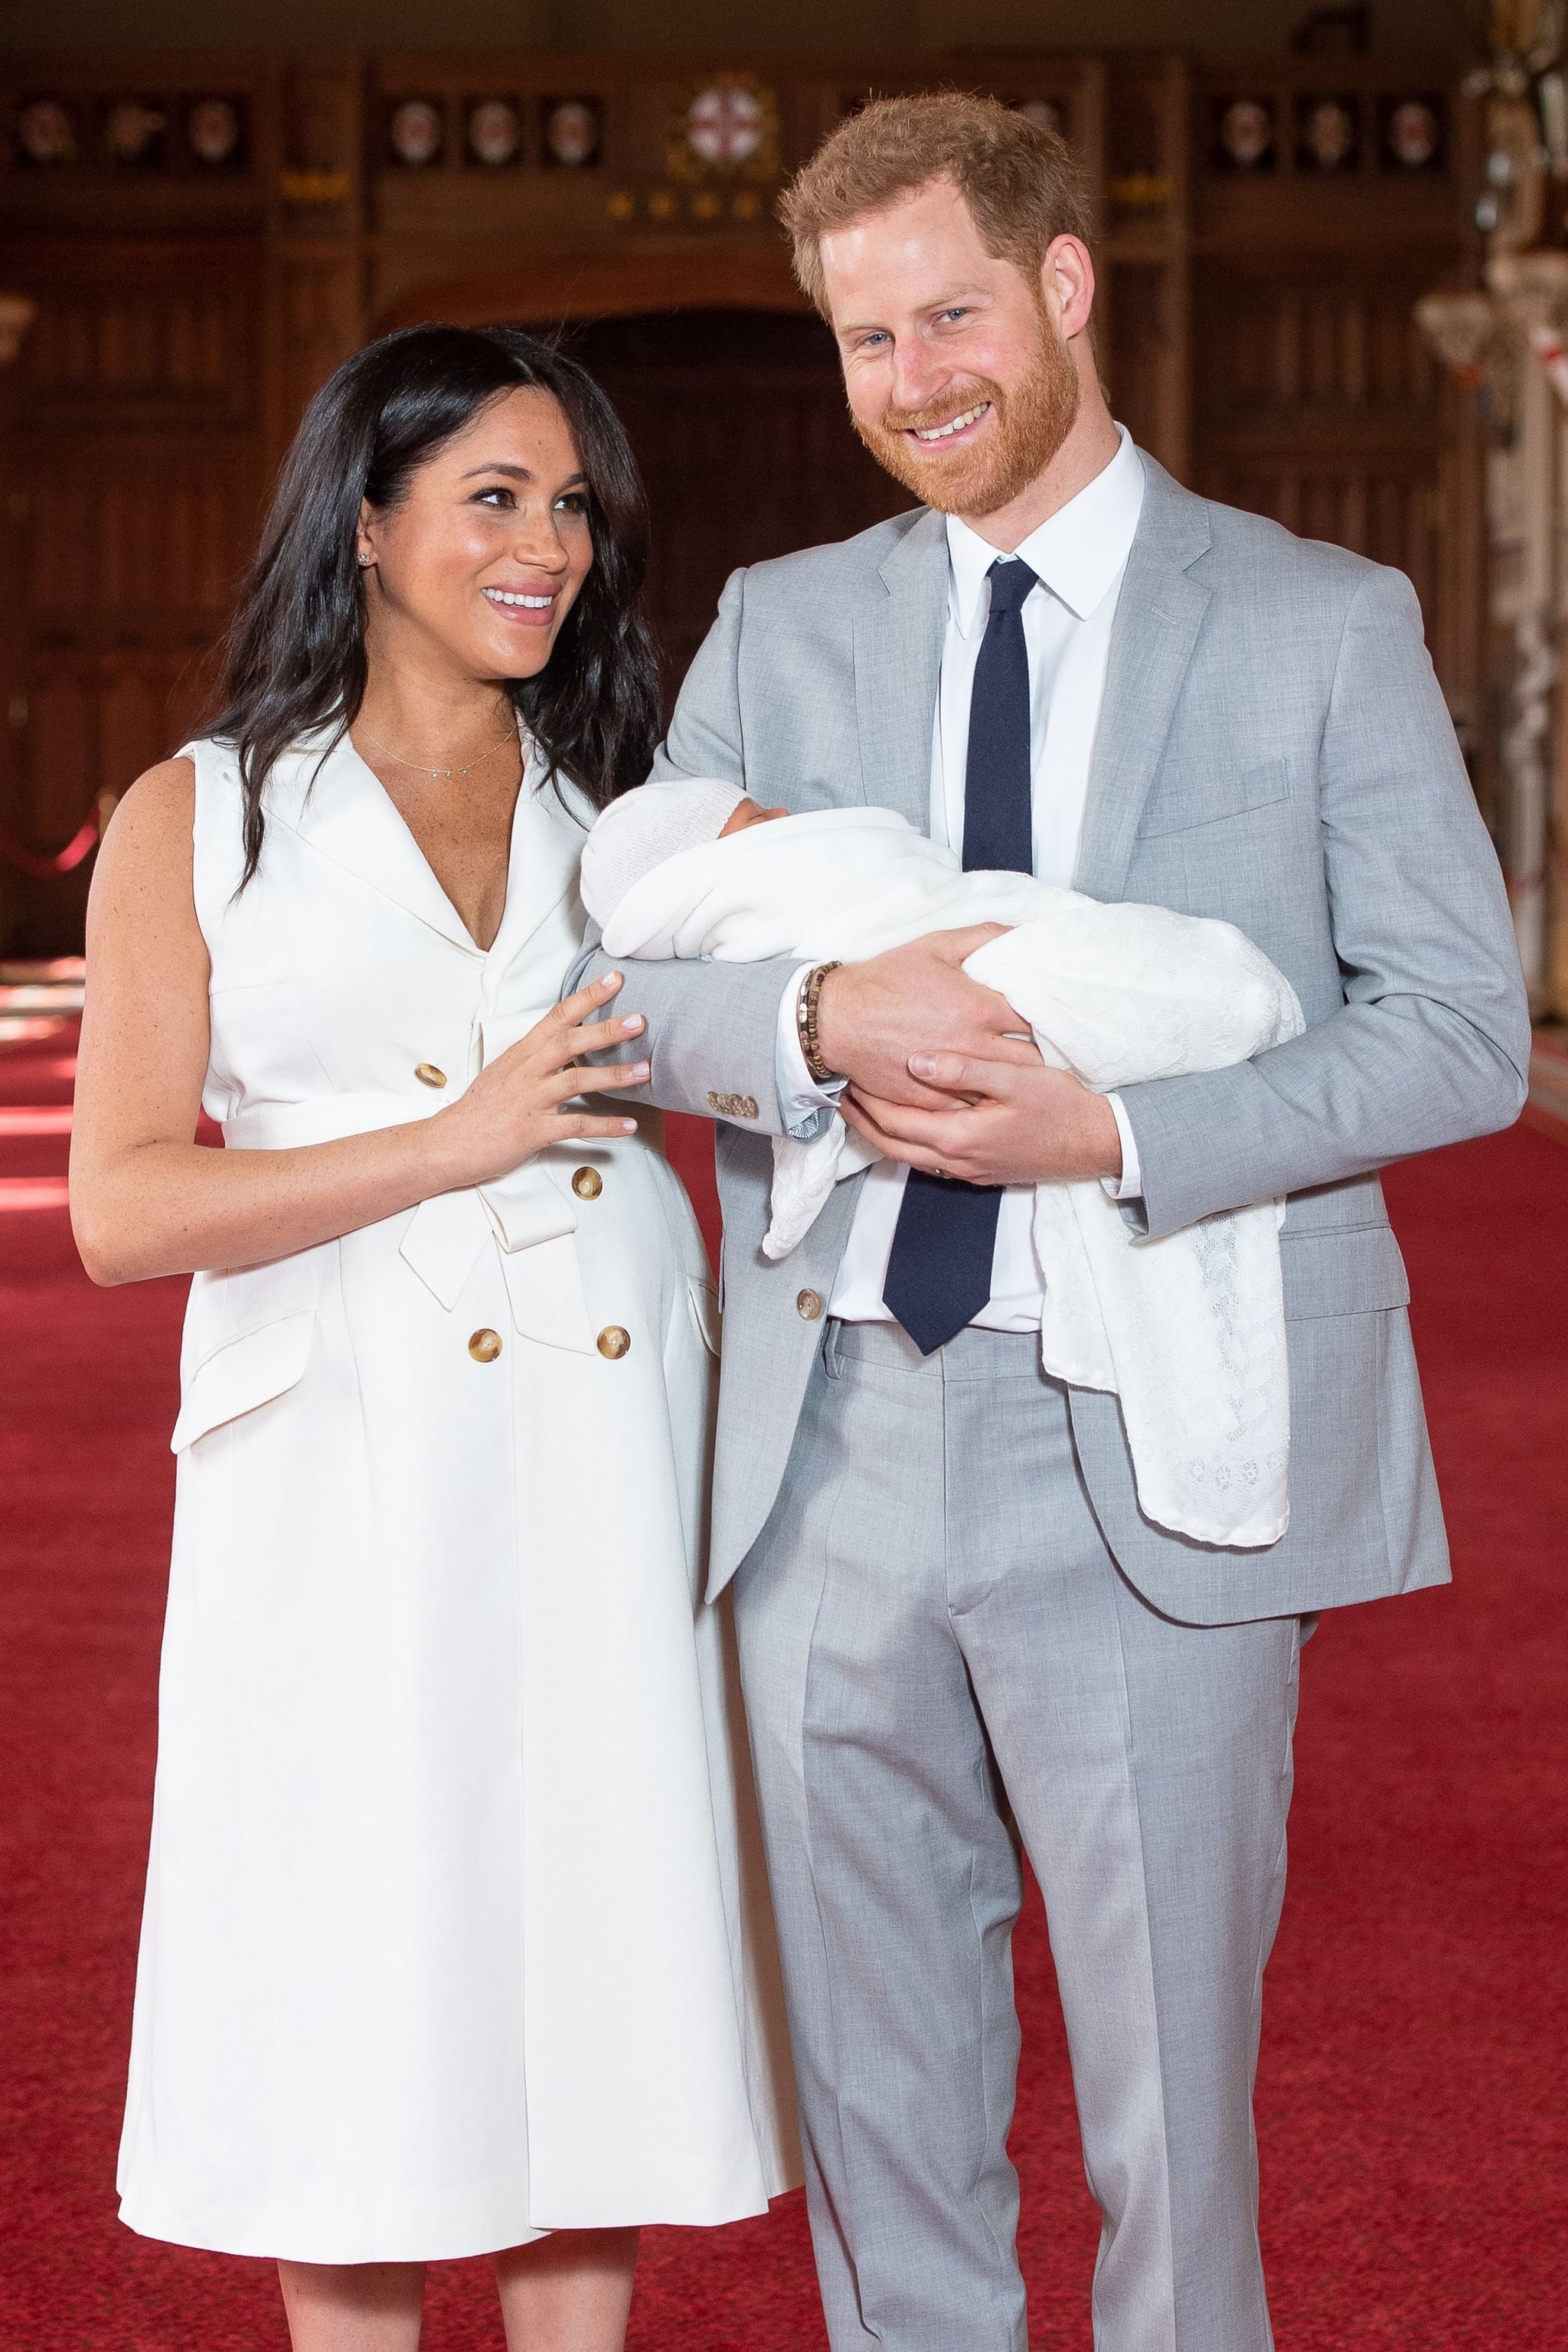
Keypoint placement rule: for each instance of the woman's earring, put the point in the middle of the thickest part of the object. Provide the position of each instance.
(364, 559)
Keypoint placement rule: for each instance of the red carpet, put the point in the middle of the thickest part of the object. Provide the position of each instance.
(1411, 2103)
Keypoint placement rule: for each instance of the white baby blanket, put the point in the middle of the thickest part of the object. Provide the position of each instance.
(1187, 1331)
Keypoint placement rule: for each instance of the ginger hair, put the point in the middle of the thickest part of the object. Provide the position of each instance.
(1019, 180)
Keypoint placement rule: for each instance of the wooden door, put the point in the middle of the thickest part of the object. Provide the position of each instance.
(739, 422)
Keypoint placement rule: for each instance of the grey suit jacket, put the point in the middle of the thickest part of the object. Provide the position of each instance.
(1273, 748)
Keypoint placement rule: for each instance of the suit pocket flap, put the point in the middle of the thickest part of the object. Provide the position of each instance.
(1210, 800)
(1354, 1271)
(243, 1374)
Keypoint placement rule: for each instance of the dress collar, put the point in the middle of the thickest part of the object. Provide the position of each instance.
(1077, 553)
(324, 792)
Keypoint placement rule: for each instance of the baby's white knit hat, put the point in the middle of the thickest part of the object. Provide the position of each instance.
(643, 827)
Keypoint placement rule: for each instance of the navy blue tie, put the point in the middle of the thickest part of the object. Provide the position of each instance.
(939, 1269)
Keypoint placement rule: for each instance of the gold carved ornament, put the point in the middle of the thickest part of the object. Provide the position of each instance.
(725, 126)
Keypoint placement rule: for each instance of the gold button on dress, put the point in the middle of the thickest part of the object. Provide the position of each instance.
(587, 1183)
(485, 1347)
(428, 1075)
(613, 1341)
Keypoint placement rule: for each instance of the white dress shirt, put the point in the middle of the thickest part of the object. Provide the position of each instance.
(1079, 556)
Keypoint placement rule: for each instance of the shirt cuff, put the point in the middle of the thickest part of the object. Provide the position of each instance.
(1129, 1185)
(804, 1108)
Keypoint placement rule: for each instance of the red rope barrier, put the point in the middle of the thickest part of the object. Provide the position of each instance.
(29, 861)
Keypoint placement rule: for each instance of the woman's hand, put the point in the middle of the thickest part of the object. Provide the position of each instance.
(146, 1199)
(514, 1108)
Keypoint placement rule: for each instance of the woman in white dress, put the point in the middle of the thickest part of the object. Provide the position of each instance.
(456, 1939)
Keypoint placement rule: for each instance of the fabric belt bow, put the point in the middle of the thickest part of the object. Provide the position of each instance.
(529, 1215)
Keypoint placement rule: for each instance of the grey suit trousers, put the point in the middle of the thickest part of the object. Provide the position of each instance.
(931, 1617)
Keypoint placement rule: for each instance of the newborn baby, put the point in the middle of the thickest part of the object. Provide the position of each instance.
(1187, 1331)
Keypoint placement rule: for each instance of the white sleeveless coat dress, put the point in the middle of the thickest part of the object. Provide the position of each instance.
(456, 1928)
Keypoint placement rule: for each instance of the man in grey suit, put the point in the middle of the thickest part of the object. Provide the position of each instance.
(948, 1601)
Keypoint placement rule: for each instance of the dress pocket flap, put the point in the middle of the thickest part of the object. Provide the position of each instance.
(1355, 1270)
(243, 1374)
(705, 1312)
(544, 1285)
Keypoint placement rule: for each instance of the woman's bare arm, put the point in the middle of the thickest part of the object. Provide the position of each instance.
(147, 1200)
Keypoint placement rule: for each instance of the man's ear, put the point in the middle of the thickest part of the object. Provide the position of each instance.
(1067, 282)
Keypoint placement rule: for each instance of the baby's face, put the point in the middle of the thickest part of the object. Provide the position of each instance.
(746, 813)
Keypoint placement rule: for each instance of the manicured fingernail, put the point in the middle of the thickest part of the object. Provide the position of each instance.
(628, 1127)
(922, 1065)
(632, 1026)
(639, 1070)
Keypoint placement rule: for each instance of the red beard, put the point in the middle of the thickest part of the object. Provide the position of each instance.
(1026, 429)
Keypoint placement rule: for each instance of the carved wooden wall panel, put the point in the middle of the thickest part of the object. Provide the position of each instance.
(205, 260)
(1362, 504)
(1319, 404)
(132, 486)
(316, 259)
(82, 722)
(1269, 345)
(177, 355)
(1331, 194)
(104, 716)
(128, 539)
(1321, 407)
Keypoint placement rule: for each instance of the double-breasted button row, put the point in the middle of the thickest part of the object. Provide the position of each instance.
(613, 1342)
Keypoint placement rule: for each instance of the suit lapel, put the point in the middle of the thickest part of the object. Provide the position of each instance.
(898, 667)
(1158, 619)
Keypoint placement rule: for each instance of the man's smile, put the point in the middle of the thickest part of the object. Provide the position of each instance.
(956, 428)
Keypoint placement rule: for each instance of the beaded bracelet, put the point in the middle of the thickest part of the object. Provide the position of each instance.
(805, 1022)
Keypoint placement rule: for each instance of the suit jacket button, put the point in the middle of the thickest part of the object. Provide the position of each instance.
(485, 1347)
(428, 1075)
(587, 1183)
(613, 1342)
(808, 1305)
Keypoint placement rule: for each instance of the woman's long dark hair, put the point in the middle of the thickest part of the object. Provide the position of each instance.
(294, 659)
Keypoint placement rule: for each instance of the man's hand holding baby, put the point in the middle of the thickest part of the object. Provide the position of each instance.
(975, 1100)
(999, 1123)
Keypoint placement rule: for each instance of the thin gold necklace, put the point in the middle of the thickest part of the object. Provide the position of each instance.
(441, 775)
